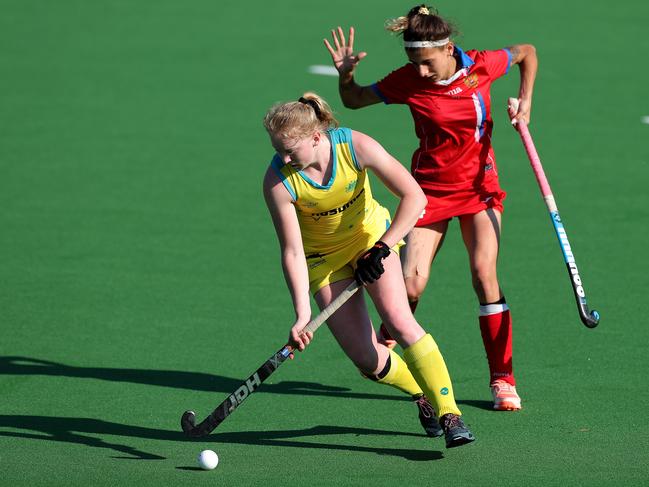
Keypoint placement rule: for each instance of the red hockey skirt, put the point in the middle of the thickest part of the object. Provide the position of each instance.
(445, 204)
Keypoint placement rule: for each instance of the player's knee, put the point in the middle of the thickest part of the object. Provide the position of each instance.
(484, 280)
(366, 365)
(406, 333)
(415, 287)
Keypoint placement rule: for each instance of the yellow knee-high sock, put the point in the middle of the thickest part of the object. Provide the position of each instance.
(427, 366)
(399, 376)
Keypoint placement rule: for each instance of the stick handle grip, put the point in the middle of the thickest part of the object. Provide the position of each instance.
(533, 156)
(331, 308)
(537, 167)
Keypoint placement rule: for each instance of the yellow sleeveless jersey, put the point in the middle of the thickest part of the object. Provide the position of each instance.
(337, 214)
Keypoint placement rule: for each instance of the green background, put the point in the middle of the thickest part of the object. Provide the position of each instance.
(140, 273)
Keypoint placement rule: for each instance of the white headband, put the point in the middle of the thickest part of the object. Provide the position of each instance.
(419, 44)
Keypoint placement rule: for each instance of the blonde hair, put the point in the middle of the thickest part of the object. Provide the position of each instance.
(298, 119)
(422, 23)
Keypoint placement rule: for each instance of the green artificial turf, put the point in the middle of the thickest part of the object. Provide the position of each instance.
(140, 273)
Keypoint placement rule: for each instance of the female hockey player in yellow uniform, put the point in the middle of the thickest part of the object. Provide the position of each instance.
(331, 230)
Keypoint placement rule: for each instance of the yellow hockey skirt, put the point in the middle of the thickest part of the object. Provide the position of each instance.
(328, 267)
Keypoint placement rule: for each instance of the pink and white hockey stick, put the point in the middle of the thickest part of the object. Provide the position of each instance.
(588, 317)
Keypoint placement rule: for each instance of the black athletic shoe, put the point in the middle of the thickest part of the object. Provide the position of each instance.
(427, 417)
(457, 434)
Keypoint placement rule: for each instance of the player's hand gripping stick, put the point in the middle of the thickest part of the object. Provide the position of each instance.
(369, 266)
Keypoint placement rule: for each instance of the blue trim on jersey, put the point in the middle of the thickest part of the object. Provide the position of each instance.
(347, 133)
(466, 60)
(356, 163)
(484, 113)
(277, 165)
(509, 59)
(375, 89)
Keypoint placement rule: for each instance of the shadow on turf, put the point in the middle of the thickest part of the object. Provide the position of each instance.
(76, 430)
(280, 438)
(477, 403)
(85, 431)
(197, 381)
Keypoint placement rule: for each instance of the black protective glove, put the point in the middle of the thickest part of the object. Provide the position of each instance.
(369, 266)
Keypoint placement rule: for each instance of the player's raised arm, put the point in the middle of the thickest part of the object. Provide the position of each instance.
(345, 60)
(525, 56)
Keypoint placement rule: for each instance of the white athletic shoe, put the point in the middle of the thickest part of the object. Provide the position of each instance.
(505, 396)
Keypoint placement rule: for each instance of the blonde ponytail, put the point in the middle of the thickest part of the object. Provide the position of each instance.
(297, 119)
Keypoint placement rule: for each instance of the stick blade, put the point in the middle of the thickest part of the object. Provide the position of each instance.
(589, 318)
(188, 423)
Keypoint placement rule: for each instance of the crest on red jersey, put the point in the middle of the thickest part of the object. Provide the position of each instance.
(471, 81)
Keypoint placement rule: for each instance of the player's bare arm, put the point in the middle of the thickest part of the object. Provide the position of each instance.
(397, 179)
(525, 56)
(345, 60)
(287, 227)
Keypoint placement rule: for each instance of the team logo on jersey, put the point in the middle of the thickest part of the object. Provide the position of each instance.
(314, 260)
(351, 186)
(339, 209)
(471, 81)
(316, 263)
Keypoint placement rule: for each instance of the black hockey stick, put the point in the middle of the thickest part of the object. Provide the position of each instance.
(588, 317)
(250, 385)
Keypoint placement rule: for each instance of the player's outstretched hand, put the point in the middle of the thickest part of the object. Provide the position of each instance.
(369, 266)
(342, 52)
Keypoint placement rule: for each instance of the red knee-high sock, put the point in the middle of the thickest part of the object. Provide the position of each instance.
(496, 329)
(384, 331)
